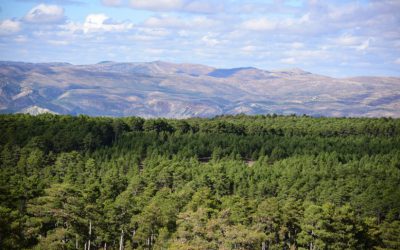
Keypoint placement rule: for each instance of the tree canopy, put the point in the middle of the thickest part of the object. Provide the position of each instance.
(228, 182)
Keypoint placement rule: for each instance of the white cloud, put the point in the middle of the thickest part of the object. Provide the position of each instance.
(9, 26)
(21, 39)
(97, 23)
(319, 35)
(149, 34)
(209, 40)
(355, 42)
(165, 21)
(154, 51)
(305, 18)
(156, 32)
(101, 22)
(307, 54)
(249, 48)
(364, 45)
(203, 22)
(289, 60)
(194, 6)
(70, 27)
(44, 13)
(58, 42)
(199, 22)
(296, 45)
(347, 40)
(183, 33)
(203, 6)
(289, 25)
(158, 5)
(259, 24)
(112, 2)
(143, 38)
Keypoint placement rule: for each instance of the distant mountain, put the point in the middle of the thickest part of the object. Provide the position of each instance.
(162, 89)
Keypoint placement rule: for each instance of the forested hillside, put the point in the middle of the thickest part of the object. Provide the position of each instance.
(230, 182)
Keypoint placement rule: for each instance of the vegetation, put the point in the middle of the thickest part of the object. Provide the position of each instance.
(231, 182)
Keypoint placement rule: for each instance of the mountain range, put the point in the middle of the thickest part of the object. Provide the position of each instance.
(162, 89)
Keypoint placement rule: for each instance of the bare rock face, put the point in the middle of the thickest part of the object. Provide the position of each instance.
(35, 110)
(161, 89)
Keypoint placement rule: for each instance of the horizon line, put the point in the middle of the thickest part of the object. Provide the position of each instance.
(199, 64)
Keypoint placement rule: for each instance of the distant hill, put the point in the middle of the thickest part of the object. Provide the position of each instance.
(162, 89)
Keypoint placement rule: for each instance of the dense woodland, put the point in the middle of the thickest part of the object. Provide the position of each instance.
(230, 182)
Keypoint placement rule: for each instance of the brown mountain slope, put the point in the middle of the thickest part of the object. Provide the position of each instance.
(161, 89)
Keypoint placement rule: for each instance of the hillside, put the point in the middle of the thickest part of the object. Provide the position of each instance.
(161, 89)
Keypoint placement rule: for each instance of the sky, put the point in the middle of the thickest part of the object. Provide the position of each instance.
(337, 38)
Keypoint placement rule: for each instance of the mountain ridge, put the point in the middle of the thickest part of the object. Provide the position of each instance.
(164, 89)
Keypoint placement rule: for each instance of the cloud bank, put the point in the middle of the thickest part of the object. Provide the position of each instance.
(43, 13)
(337, 38)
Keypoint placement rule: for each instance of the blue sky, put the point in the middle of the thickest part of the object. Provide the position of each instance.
(336, 38)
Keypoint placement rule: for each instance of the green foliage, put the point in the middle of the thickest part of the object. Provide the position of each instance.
(230, 182)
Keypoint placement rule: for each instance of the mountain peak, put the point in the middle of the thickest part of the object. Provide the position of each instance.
(162, 89)
(105, 62)
(296, 70)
